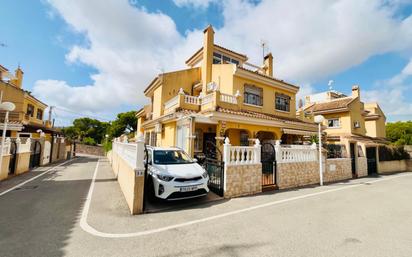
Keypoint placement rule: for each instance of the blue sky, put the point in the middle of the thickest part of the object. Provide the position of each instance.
(96, 59)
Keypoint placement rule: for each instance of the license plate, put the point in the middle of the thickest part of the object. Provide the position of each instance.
(188, 189)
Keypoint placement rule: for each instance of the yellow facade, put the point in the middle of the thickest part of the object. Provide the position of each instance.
(220, 96)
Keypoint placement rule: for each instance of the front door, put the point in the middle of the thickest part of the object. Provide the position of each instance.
(371, 157)
(352, 157)
(209, 147)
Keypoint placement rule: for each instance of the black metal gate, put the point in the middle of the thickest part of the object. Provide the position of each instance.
(268, 159)
(352, 157)
(13, 157)
(214, 165)
(35, 154)
(371, 157)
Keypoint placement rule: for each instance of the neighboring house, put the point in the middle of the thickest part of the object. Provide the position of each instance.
(220, 95)
(27, 121)
(349, 122)
(27, 118)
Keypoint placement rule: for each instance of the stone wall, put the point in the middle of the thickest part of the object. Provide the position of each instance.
(362, 167)
(337, 170)
(300, 174)
(243, 180)
(297, 174)
(392, 166)
(89, 149)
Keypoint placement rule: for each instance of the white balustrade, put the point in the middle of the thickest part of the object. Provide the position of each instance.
(126, 151)
(172, 102)
(228, 98)
(207, 99)
(241, 155)
(192, 100)
(295, 153)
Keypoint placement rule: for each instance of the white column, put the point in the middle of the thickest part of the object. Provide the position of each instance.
(257, 151)
(226, 151)
(140, 156)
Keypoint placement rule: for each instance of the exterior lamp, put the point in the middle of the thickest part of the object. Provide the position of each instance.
(8, 107)
(319, 120)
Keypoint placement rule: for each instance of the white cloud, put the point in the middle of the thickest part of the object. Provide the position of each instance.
(193, 3)
(394, 95)
(310, 40)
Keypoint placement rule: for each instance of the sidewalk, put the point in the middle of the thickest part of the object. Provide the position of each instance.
(109, 212)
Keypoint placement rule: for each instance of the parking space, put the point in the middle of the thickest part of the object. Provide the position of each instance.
(154, 205)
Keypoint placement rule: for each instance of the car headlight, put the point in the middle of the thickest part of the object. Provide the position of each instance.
(164, 177)
(204, 175)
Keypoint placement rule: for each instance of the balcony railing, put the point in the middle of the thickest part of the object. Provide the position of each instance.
(231, 99)
(192, 100)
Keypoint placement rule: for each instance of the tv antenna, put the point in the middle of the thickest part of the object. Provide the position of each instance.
(263, 44)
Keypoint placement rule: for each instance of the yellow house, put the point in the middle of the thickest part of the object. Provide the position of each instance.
(27, 119)
(349, 122)
(220, 95)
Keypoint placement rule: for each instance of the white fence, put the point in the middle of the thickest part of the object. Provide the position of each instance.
(241, 155)
(131, 153)
(295, 153)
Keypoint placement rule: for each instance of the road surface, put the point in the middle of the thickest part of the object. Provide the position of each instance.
(77, 209)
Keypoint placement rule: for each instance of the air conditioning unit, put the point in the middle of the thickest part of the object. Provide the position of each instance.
(356, 124)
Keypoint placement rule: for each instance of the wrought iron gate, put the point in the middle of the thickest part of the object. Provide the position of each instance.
(35, 154)
(214, 165)
(13, 155)
(268, 159)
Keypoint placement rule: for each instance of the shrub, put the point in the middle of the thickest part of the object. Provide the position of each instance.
(89, 141)
(387, 153)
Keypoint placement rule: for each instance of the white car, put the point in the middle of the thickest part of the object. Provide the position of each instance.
(174, 174)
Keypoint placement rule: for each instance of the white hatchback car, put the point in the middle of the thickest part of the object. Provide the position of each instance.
(174, 174)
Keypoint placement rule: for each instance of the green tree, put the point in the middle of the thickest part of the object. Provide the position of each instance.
(87, 128)
(125, 122)
(399, 133)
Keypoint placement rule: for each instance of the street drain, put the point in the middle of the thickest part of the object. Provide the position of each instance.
(26, 188)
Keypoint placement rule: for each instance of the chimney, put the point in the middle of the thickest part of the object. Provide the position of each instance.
(268, 64)
(18, 81)
(355, 91)
(207, 61)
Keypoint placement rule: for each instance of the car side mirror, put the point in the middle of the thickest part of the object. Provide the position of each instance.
(195, 160)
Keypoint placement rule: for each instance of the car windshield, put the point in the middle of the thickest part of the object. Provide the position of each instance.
(171, 157)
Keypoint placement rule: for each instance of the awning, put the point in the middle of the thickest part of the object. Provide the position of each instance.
(299, 132)
(15, 126)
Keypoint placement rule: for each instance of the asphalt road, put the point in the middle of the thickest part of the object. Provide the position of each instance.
(47, 217)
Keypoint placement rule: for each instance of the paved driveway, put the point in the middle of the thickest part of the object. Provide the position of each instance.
(58, 215)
